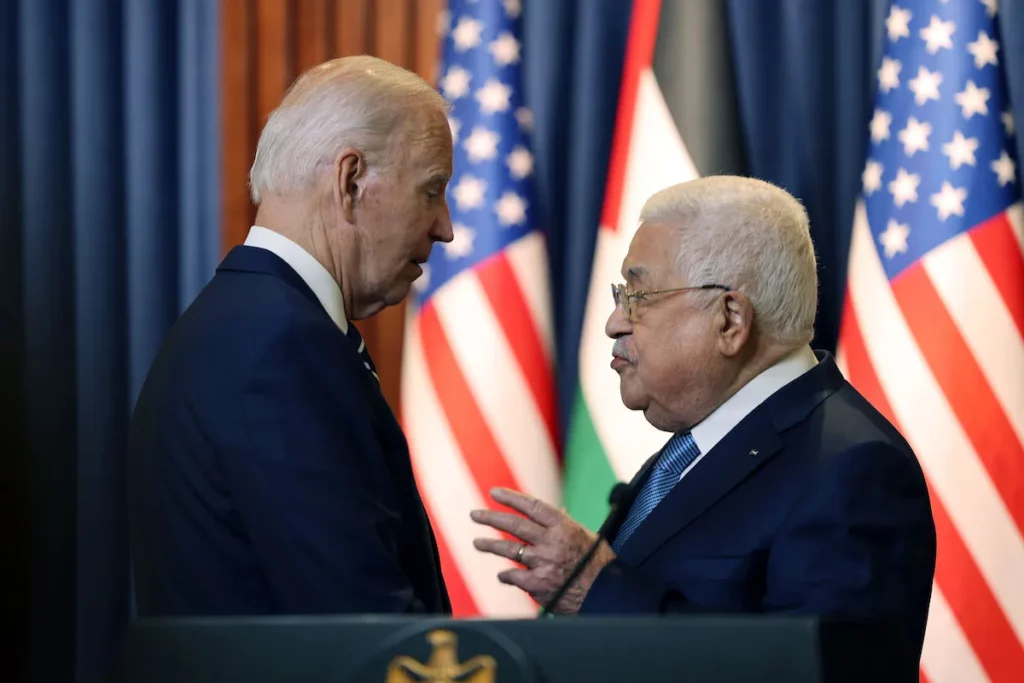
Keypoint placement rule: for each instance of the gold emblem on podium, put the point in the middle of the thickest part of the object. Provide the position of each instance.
(443, 664)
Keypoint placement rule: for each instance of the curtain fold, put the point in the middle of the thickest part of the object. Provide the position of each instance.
(109, 183)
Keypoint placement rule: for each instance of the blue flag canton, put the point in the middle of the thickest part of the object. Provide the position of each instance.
(942, 156)
(489, 195)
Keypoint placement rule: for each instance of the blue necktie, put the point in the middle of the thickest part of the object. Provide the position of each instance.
(364, 353)
(675, 457)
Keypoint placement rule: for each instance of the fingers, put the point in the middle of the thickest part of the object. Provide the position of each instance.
(537, 510)
(516, 525)
(503, 548)
(520, 578)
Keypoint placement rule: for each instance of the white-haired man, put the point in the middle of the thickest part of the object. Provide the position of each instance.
(266, 472)
(781, 489)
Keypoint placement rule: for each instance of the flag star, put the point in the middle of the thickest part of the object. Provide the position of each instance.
(926, 85)
(872, 177)
(960, 150)
(984, 50)
(456, 126)
(1004, 168)
(880, 123)
(511, 209)
(1007, 117)
(991, 6)
(915, 136)
(524, 116)
(482, 144)
(904, 188)
(505, 49)
(972, 100)
(493, 97)
(894, 238)
(889, 74)
(513, 8)
(466, 33)
(455, 83)
(898, 23)
(469, 192)
(938, 35)
(949, 200)
(519, 162)
(462, 242)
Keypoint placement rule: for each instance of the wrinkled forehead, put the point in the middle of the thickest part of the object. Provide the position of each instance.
(652, 256)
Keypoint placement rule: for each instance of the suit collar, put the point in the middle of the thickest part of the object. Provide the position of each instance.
(243, 259)
(312, 272)
(753, 442)
(723, 419)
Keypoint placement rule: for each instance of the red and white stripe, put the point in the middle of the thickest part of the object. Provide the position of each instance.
(940, 352)
(478, 409)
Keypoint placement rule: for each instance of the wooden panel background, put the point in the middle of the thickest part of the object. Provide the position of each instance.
(265, 45)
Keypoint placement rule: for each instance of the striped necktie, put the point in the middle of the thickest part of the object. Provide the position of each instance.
(675, 457)
(364, 353)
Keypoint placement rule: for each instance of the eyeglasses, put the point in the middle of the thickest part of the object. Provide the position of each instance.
(623, 298)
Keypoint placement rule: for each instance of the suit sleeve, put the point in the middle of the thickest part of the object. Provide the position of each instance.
(860, 543)
(306, 473)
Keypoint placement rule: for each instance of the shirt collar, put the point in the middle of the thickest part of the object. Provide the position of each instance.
(723, 419)
(312, 272)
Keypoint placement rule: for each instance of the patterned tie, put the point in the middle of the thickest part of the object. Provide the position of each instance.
(364, 353)
(675, 457)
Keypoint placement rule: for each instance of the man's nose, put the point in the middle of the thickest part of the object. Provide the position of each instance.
(442, 228)
(618, 323)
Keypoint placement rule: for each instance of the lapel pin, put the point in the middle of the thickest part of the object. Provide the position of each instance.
(753, 451)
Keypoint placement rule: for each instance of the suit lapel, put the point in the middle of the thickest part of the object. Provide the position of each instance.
(742, 451)
(753, 442)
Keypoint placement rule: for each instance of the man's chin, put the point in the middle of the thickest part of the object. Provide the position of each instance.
(397, 293)
(631, 399)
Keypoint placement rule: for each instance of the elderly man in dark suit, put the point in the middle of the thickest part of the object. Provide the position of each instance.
(266, 472)
(780, 489)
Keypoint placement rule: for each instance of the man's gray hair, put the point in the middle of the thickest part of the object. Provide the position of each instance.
(751, 236)
(347, 102)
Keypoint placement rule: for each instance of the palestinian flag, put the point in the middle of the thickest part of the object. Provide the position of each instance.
(677, 119)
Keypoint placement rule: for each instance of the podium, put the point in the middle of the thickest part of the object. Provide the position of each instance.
(694, 649)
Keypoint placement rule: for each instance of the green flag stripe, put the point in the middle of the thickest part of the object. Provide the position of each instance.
(588, 475)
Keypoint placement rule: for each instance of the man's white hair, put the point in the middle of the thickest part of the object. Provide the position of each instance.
(354, 102)
(751, 236)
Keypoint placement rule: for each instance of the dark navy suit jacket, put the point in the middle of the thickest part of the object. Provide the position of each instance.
(812, 504)
(266, 472)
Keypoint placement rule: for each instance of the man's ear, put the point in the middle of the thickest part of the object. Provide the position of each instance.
(736, 315)
(349, 174)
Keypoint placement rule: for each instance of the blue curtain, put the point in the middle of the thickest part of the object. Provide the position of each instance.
(109, 181)
(806, 75)
(572, 58)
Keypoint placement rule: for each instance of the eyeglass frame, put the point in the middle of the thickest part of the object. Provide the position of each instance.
(628, 297)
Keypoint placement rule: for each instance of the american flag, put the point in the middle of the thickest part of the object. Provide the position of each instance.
(933, 325)
(478, 399)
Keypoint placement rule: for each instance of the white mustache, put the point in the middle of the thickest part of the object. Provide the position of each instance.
(620, 350)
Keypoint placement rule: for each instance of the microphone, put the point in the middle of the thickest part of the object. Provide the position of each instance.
(616, 498)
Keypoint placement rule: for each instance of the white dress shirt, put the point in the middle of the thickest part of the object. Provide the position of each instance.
(312, 272)
(712, 429)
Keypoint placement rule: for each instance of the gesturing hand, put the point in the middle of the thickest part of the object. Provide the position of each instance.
(551, 544)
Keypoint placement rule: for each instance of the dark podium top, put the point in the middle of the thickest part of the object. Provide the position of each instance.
(403, 649)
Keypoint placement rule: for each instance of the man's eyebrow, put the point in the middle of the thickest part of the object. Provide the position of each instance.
(636, 273)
